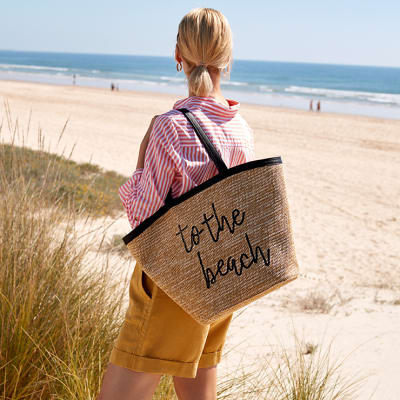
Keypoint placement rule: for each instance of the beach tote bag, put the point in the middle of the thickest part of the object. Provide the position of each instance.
(222, 244)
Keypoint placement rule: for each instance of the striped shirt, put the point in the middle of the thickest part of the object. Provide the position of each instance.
(175, 158)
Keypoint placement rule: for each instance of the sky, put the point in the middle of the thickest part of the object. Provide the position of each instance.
(360, 32)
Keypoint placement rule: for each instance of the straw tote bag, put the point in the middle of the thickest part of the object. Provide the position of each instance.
(222, 244)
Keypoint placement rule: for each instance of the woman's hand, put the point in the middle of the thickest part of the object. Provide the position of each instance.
(143, 145)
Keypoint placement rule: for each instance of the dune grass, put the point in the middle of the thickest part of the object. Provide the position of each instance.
(87, 185)
(60, 311)
(58, 179)
(307, 371)
(58, 316)
(294, 369)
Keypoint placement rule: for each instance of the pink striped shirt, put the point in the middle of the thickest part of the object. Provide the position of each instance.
(176, 158)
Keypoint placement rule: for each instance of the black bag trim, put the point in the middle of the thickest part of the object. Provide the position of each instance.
(197, 189)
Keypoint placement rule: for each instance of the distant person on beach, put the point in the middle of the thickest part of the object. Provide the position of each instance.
(73, 79)
(311, 105)
(158, 337)
(319, 106)
(112, 86)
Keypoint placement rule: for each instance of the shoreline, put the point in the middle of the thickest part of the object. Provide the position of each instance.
(344, 89)
(178, 96)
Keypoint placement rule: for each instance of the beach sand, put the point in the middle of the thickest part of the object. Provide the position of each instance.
(343, 180)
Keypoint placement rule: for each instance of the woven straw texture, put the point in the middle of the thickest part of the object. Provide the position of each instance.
(224, 247)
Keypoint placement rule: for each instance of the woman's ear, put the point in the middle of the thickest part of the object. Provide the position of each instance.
(178, 57)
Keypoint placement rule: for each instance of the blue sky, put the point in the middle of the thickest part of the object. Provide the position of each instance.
(362, 32)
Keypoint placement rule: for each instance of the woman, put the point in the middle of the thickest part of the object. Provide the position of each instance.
(158, 337)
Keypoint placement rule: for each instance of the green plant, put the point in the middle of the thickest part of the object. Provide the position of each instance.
(58, 179)
(59, 311)
(298, 370)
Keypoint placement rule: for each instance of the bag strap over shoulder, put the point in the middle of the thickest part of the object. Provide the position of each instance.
(210, 148)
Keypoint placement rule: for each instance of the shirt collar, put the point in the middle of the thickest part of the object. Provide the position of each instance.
(194, 102)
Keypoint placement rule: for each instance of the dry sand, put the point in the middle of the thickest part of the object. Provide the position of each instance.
(343, 180)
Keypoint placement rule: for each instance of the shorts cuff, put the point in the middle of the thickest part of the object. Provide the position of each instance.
(153, 365)
(210, 359)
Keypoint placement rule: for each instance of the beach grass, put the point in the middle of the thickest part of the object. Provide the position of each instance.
(308, 371)
(60, 311)
(294, 369)
(57, 178)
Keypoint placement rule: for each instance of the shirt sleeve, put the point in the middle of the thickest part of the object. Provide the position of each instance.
(145, 192)
(252, 147)
(250, 153)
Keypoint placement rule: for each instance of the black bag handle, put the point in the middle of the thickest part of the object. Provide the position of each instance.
(210, 148)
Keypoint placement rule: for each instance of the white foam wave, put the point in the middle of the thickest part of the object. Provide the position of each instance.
(387, 98)
(171, 79)
(36, 67)
(264, 88)
(234, 83)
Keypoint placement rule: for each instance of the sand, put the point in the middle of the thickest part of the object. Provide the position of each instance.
(343, 181)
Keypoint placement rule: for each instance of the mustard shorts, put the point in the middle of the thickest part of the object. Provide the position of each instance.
(158, 336)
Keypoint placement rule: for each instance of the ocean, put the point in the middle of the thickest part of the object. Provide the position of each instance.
(363, 90)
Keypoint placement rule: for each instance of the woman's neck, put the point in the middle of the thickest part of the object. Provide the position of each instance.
(216, 92)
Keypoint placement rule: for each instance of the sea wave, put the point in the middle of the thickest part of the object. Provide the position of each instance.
(171, 79)
(264, 88)
(174, 79)
(383, 98)
(35, 67)
(235, 83)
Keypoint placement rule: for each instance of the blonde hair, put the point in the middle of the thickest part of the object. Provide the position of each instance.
(205, 43)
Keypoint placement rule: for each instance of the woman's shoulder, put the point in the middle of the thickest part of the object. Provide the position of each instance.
(173, 123)
(165, 128)
(170, 118)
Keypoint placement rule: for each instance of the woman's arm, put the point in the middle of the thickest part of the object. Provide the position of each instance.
(144, 143)
(145, 192)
